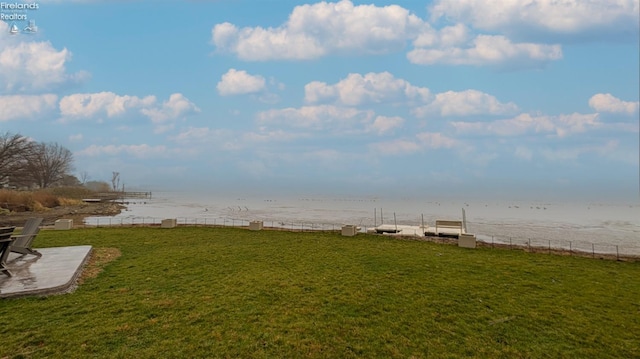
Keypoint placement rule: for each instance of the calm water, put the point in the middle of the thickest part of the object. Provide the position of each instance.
(604, 224)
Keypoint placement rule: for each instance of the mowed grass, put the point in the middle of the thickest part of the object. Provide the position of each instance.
(222, 292)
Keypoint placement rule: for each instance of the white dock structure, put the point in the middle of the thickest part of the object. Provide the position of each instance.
(442, 228)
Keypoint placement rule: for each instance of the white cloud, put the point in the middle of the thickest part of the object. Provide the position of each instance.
(76, 138)
(526, 17)
(265, 136)
(33, 66)
(25, 107)
(176, 107)
(316, 117)
(89, 105)
(357, 89)
(201, 135)
(236, 82)
(561, 125)
(396, 147)
(423, 141)
(137, 151)
(608, 103)
(465, 103)
(384, 124)
(95, 105)
(315, 30)
(435, 140)
(496, 50)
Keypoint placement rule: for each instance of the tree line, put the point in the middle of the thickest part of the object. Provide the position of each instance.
(27, 164)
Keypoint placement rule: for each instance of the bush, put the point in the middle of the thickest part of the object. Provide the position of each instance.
(38, 201)
(46, 199)
(72, 192)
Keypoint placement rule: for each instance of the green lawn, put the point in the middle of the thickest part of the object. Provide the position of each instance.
(225, 292)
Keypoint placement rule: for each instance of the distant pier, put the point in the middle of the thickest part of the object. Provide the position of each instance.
(118, 195)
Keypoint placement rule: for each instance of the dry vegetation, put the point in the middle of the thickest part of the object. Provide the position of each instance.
(100, 257)
(51, 204)
(41, 200)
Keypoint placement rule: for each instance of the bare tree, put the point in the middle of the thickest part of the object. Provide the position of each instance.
(13, 148)
(84, 177)
(98, 186)
(48, 163)
(115, 180)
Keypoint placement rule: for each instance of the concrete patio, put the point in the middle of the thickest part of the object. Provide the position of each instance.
(55, 272)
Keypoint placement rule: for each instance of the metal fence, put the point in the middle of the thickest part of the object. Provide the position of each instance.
(539, 245)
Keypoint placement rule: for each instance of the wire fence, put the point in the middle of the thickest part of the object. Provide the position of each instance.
(539, 245)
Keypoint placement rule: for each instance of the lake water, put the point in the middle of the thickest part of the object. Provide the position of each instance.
(586, 225)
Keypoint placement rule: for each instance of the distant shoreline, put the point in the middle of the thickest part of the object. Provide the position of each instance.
(76, 212)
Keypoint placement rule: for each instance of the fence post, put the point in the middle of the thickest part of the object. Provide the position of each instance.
(549, 246)
(617, 254)
(593, 250)
(510, 245)
(491, 241)
(570, 249)
(529, 244)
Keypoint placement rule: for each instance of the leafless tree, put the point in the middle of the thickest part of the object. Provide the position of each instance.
(115, 180)
(84, 177)
(12, 156)
(98, 186)
(48, 163)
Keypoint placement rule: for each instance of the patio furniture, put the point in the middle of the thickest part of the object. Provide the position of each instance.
(5, 242)
(22, 242)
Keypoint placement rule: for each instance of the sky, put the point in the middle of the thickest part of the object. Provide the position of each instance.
(476, 98)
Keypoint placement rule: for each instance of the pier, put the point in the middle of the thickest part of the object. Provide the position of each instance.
(112, 196)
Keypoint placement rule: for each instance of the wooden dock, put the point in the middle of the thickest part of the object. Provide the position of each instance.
(117, 195)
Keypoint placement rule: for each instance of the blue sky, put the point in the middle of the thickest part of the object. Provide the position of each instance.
(480, 98)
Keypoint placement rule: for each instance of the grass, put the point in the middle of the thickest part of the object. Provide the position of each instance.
(225, 292)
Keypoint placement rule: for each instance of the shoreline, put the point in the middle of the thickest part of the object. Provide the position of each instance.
(76, 212)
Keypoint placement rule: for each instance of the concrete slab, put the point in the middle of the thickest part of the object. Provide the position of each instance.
(53, 273)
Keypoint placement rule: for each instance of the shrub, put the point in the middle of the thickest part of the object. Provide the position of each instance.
(46, 199)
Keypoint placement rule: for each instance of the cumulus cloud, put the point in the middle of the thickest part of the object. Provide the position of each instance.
(176, 107)
(18, 107)
(315, 30)
(96, 105)
(384, 124)
(315, 117)
(88, 105)
(561, 125)
(496, 50)
(465, 103)
(137, 151)
(525, 18)
(357, 89)
(605, 102)
(236, 82)
(33, 66)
